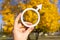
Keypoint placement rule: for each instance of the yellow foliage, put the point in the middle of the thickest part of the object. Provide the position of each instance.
(30, 17)
(59, 17)
(8, 18)
(7, 28)
(49, 15)
(10, 29)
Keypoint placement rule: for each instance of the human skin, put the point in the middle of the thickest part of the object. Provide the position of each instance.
(20, 32)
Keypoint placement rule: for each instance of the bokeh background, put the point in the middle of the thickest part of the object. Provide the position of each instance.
(47, 29)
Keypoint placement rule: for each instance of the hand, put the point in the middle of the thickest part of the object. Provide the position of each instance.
(20, 33)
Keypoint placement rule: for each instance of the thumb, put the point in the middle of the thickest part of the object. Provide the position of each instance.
(29, 30)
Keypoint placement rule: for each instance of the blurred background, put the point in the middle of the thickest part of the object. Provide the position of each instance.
(48, 27)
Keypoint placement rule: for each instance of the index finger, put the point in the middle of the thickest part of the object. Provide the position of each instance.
(17, 18)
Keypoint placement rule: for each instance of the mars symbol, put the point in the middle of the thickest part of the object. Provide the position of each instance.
(35, 10)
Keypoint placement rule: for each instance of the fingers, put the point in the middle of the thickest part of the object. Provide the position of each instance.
(28, 23)
(22, 30)
(18, 26)
(17, 19)
(29, 30)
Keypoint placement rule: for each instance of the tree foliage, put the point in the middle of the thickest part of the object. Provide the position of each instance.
(49, 14)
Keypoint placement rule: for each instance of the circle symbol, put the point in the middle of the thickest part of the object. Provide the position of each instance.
(33, 25)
